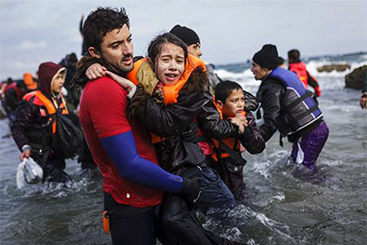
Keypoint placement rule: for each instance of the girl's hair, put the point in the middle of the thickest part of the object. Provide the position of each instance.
(155, 46)
(224, 89)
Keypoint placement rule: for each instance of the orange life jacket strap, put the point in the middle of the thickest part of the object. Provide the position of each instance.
(156, 139)
(45, 101)
(230, 142)
(50, 107)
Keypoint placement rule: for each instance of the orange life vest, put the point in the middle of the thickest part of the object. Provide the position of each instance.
(232, 143)
(43, 102)
(170, 92)
(29, 81)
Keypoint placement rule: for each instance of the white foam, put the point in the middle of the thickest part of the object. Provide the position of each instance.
(313, 65)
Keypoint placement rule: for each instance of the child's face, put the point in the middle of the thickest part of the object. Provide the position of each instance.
(170, 64)
(57, 82)
(235, 103)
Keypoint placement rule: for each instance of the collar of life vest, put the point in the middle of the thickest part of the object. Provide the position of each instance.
(220, 110)
(170, 91)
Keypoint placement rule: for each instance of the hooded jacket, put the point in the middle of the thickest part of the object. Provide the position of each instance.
(34, 124)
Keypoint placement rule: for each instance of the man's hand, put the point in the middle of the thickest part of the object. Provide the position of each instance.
(125, 83)
(25, 154)
(95, 71)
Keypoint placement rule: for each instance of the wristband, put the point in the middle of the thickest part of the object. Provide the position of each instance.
(25, 147)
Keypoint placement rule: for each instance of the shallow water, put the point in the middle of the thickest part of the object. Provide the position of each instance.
(281, 208)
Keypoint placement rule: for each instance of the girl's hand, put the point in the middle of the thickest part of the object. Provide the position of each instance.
(125, 83)
(95, 71)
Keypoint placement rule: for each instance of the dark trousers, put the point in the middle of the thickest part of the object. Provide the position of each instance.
(130, 225)
(215, 195)
(232, 175)
(180, 225)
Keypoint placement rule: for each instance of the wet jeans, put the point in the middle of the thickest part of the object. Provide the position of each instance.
(215, 196)
(307, 148)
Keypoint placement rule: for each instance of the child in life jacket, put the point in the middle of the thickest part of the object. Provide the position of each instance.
(168, 98)
(230, 128)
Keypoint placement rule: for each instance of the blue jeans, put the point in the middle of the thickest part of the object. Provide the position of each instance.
(215, 195)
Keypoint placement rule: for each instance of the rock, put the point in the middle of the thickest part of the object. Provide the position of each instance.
(356, 77)
(337, 67)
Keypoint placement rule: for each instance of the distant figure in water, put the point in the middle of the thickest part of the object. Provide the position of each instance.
(289, 108)
(281, 63)
(363, 101)
(298, 67)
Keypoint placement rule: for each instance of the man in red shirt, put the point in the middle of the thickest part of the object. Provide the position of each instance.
(132, 179)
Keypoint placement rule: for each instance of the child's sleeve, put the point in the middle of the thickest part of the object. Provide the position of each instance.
(251, 139)
(210, 122)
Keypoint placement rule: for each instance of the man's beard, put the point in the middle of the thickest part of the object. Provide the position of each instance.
(116, 69)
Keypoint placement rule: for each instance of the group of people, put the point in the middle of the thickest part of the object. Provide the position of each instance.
(34, 106)
(166, 133)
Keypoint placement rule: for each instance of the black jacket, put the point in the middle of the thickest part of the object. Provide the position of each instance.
(175, 122)
(276, 117)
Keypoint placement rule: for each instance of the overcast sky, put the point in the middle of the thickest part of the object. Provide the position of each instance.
(32, 32)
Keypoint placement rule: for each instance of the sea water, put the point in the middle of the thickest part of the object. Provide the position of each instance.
(281, 207)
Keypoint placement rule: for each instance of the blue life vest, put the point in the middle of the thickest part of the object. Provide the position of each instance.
(300, 107)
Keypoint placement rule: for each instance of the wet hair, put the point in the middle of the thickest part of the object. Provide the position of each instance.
(224, 89)
(294, 56)
(102, 21)
(155, 46)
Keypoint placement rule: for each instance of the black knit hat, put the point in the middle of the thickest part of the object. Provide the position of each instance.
(267, 57)
(187, 35)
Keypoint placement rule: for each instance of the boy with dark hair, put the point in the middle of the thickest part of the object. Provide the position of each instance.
(229, 125)
(298, 67)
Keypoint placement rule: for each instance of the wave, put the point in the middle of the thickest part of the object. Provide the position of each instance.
(242, 72)
(313, 65)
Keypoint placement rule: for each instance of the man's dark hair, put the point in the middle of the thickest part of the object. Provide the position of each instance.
(294, 56)
(102, 21)
(225, 89)
(156, 45)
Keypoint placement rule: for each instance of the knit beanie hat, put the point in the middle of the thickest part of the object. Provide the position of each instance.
(187, 35)
(267, 57)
